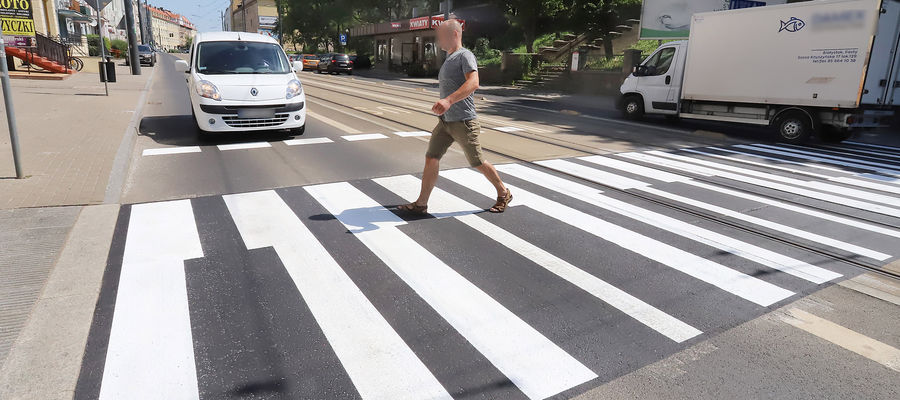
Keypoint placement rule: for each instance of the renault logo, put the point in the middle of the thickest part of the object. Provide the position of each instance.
(254, 91)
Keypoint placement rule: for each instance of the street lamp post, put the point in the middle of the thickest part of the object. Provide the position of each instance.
(10, 113)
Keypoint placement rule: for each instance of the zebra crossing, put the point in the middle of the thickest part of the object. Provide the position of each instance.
(323, 291)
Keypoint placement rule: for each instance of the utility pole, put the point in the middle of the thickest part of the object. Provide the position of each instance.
(149, 22)
(10, 112)
(132, 38)
(447, 5)
(141, 22)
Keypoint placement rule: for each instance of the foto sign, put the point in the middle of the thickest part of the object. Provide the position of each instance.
(671, 19)
(17, 19)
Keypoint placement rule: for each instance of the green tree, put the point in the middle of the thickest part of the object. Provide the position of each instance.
(598, 18)
(534, 17)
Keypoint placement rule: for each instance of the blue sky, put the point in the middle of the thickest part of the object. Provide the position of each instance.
(203, 13)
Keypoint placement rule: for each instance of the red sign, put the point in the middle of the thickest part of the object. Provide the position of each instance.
(437, 20)
(418, 23)
(395, 25)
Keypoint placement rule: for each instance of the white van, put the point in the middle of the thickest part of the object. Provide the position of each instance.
(243, 82)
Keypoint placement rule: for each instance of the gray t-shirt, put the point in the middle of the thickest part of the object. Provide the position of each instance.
(452, 76)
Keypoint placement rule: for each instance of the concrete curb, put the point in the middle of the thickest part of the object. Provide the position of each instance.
(122, 162)
(46, 359)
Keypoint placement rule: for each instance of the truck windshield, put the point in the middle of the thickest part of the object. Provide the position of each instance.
(234, 57)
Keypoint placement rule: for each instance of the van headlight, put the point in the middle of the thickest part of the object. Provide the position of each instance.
(208, 90)
(294, 89)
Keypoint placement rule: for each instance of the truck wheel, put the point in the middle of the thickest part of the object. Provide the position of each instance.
(793, 127)
(633, 107)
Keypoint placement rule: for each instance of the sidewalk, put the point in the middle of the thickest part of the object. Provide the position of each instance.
(69, 134)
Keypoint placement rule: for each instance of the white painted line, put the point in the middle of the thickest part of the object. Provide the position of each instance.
(596, 175)
(855, 152)
(170, 150)
(726, 243)
(151, 351)
(531, 361)
(794, 187)
(856, 159)
(365, 136)
(301, 142)
(243, 146)
(734, 282)
(875, 286)
(636, 169)
(407, 186)
(337, 125)
(827, 160)
(508, 129)
(825, 187)
(858, 343)
(413, 134)
(376, 358)
(877, 146)
(641, 170)
(841, 179)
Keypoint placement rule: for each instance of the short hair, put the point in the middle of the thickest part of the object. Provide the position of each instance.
(453, 24)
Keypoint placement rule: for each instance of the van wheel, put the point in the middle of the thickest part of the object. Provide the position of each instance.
(793, 127)
(633, 108)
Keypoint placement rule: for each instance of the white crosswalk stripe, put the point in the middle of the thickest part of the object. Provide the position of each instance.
(149, 350)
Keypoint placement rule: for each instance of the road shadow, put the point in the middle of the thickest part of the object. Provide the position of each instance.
(180, 130)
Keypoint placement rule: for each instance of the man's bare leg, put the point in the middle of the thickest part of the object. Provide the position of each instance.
(491, 174)
(429, 179)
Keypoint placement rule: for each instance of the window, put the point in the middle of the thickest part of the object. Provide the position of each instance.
(659, 63)
(232, 57)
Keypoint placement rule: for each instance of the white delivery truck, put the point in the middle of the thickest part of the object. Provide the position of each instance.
(826, 66)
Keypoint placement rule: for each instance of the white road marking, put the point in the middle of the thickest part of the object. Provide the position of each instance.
(508, 129)
(243, 146)
(816, 157)
(856, 342)
(636, 169)
(376, 358)
(170, 150)
(342, 127)
(301, 142)
(825, 187)
(616, 181)
(364, 136)
(739, 248)
(877, 146)
(443, 203)
(875, 286)
(531, 361)
(700, 170)
(857, 159)
(413, 134)
(641, 170)
(734, 282)
(150, 354)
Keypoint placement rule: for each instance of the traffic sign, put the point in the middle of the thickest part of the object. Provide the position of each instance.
(343, 39)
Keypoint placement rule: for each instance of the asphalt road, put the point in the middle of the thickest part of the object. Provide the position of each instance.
(639, 260)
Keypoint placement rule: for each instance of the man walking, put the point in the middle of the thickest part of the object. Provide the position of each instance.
(457, 121)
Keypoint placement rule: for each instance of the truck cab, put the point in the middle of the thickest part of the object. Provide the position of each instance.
(655, 85)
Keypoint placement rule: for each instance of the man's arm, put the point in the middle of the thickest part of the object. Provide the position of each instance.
(468, 87)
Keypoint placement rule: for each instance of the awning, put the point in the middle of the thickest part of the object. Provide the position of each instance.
(74, 15)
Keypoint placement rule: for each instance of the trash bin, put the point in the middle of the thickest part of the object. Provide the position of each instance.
(108, 71)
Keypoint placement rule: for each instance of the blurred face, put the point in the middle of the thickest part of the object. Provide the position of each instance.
(447, 38)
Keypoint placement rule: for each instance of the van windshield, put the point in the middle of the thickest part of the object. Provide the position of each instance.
(234, 57)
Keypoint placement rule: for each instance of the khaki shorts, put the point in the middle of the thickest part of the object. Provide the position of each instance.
(463, 132)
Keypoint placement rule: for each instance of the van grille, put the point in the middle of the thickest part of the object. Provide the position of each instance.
(235, 122)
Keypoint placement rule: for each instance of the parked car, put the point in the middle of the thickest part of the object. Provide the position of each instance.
(361, 62)
(335, 64)
(310, 61)
(146, 54)
(243, 82)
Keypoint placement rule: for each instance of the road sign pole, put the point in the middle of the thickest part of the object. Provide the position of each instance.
(10, 112)
(102, 49)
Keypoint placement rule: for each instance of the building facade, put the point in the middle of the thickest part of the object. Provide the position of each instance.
(258, 16)
(171, 31)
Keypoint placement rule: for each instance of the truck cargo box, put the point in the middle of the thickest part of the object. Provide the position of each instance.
(806, 54)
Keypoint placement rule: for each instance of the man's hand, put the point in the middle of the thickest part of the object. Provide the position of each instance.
(441, 107)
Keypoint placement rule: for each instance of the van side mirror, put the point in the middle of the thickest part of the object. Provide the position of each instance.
(640, 70)
(298, 66)
(182, 66)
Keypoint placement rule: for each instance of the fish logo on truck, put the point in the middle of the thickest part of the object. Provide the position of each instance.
(792, 25)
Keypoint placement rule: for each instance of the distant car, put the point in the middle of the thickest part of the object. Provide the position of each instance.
(335, 64)
(243, 82)
(310, 61)
(145, 54)
(361, 62)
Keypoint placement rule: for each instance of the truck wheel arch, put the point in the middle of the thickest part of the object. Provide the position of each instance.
(639, 100)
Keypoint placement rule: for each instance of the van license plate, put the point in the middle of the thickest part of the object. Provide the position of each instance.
(256, 113)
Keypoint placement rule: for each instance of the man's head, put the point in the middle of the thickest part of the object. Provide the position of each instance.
(449, 34)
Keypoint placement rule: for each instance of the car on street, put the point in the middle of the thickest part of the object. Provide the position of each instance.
(335, 64)
(243, 82)
(310, 61)
(146, 54)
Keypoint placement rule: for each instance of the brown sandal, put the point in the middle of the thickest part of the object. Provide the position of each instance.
(502, 203)
(413, 208)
